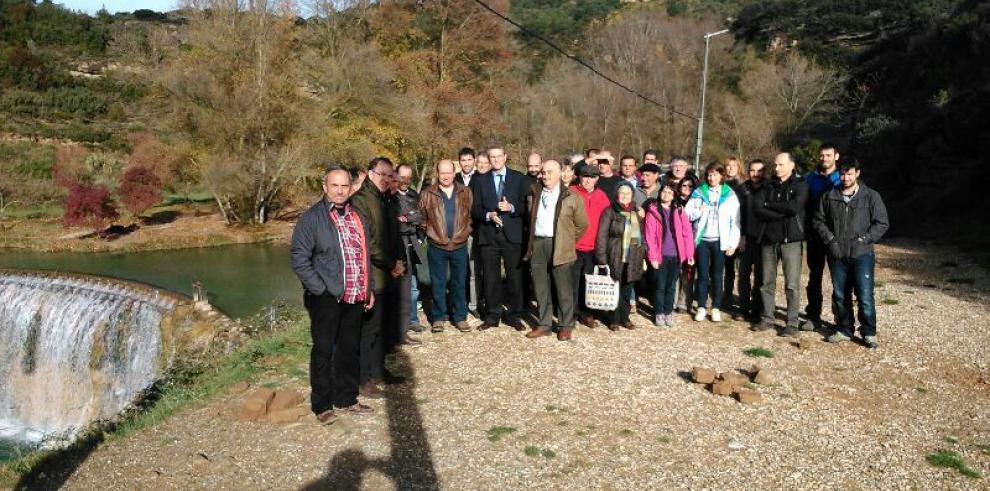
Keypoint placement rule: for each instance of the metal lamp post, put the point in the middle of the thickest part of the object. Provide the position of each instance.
(704, 83)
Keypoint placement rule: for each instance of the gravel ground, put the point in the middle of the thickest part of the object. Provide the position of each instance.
(614, 411)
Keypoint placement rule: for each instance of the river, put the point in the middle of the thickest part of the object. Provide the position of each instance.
(240, 279)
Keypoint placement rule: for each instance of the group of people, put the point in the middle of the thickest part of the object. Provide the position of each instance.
(484, 239)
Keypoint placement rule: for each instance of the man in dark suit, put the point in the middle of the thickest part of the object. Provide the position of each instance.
(499, 209)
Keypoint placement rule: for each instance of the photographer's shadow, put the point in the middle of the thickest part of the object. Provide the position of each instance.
(410, 461)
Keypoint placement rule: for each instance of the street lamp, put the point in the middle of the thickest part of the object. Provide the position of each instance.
(701, 117)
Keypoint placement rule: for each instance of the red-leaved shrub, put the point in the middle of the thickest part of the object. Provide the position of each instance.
(89, 205)
(140, 189)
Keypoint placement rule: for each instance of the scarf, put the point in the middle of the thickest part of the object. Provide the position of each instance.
(631, 234)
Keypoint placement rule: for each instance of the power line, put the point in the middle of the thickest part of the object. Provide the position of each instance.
(581, 62)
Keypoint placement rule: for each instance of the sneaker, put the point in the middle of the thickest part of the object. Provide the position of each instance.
(716, 315)
(437, 326)
(790, 331)
(660, 320)
(838, 338)
(463, 326)
(810, 324)
(700, 316)
(669, 320)
(871, 342)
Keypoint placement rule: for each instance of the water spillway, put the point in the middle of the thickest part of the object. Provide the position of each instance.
(77, 349)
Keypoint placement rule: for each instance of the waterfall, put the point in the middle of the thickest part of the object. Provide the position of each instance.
(74, 350)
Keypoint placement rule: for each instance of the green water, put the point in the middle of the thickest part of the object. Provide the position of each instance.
(240, 279)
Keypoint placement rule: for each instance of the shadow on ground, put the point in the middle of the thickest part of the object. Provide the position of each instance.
(410, 461)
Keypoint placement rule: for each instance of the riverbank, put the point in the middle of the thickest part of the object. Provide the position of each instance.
(487, 410)
(171, 227)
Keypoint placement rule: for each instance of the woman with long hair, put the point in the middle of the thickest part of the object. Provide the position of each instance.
(619, 245)
(669, 242)
(714, 208)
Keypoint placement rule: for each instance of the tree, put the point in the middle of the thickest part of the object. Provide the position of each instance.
(89, 205)
(140, 189)
(233, 91)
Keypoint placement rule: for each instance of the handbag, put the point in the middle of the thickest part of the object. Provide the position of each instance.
(601, 292)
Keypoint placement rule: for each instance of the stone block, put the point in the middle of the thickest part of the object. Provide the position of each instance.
(264, 395)
(289, 415)
(702, 375)
(747, 396)
(734, 378)
(252, 410)
(722, 388)
(284, 399)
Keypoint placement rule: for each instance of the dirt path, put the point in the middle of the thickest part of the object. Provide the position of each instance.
(613, 410)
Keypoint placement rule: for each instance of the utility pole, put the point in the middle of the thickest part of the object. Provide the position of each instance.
(701, 117)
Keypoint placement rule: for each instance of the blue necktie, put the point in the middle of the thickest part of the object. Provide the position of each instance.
(498, 187)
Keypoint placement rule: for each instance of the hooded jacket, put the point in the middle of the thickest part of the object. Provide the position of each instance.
(728, 215)
(608, 246)
(653, 232)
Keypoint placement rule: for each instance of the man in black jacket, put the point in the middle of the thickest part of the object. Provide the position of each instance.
(780, 208)
(750, 272)
(498, 210)
(849, 221)
(330, 256)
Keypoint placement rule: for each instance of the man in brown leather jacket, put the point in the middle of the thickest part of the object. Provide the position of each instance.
(556, 220)
(446, 210)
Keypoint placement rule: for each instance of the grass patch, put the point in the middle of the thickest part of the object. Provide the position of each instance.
(950, 459)
(984, 447)
(758, 352)
(188, 384)
(626, 432)
(909, 292)
(495, 433)
(952, 439)
(891, 301)
(664, 439)
(878, 284)
(921, 390)
(534, 451)
(554, 409)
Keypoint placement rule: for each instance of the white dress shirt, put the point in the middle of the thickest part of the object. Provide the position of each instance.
(545, 212)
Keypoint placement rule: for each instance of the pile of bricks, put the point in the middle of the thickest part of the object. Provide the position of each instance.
(734, 383)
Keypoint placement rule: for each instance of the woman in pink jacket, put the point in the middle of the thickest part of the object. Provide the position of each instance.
(669, 243)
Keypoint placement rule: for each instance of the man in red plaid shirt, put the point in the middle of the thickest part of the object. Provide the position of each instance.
(330, 256)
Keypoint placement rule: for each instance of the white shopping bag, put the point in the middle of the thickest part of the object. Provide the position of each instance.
(601, 292)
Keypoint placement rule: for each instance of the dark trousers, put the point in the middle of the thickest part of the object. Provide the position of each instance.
(585, 264)
(750, 278)
(665, 285)
(620, 316)
(333, 360)
(379, 333)
(685, 287)
(711, 260)
(550, 281)
(854, 275)
(816, 272)
(502, 253)
(730, 281)
(478, 278)
(455, 262)
(789, 255)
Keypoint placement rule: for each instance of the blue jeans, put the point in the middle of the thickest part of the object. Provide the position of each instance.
(853, 275)
(666, 285)
(413, 297)
(456, 260)
(711, 262)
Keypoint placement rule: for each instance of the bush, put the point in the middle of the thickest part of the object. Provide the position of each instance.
(140, 189)
(89, 205)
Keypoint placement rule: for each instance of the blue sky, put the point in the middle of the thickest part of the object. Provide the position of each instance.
(113, 6)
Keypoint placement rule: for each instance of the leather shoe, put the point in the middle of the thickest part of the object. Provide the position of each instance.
(564, 335)
(371, 391)
(358, 408)
(538, 333)
(629, 325)
(327, 417)
(516, 324)
(487, 325)
(613, 327)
